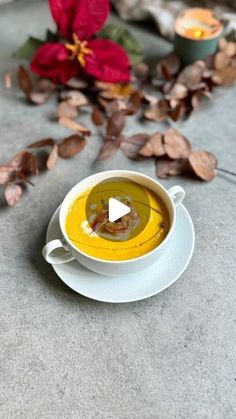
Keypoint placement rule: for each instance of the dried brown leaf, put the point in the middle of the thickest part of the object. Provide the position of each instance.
(168, 86)
(45, 86)
(225, 77)
(75, 98)
(178, 111)
(207, 93)
(196, 99)
(201, 64)
(176, 145)
(108, 149)
(109, 95)
(132, 145)
(103, 85)
(159, 112)
(222, 44)
(141, 71)
(203, 164)
(178, 91)
(167, 167)
(173, 103)
(24, 81)
(154, 146)
(209, 61)
(152, 100)
(75, 83)
(230, 49)
(24, 178)
(200, 86)
(221, 60)
(38, 98)
(207, 74)
(104, 103)
(114, 106)
(65, 110)
(7, 174)
(13, 194)
(97, 116)
(169, 65)
(42, 143)
(25, 162)
(75, 126)
(191, 75)
(233, 61)
(7, 79)
(70, 146)
(208, 79)
(110, 106)
(135, 101)
(52, 158)
(115, 124)
(18, 160)
(166, 73)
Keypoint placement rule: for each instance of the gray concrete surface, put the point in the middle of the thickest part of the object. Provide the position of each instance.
(64, 356)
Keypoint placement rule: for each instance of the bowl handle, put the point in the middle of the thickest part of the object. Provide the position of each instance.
(177, 194)
(53, 245)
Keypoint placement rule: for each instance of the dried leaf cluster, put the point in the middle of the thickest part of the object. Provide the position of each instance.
(183, 88)
(15, 174)
(38, 94)
(181, 92)
(172, 151)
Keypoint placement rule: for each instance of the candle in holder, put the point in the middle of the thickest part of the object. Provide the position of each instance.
(197, 32)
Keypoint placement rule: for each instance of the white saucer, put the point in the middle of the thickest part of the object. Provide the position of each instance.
(131, 287)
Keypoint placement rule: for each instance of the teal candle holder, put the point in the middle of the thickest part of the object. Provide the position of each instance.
(197, 33)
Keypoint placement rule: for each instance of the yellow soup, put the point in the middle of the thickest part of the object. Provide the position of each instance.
(134, 235)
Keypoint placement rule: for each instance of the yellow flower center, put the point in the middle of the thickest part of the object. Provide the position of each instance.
(78, 50)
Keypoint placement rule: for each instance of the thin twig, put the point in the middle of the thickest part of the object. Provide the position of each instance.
(228, 172)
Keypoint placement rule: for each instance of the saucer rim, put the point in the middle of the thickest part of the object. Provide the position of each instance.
(56, 268)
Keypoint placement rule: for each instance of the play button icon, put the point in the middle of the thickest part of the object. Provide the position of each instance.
(117, 210)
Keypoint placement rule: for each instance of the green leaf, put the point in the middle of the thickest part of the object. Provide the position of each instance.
(124, 38)
(51, 36)
(231, 36)
(28, 49)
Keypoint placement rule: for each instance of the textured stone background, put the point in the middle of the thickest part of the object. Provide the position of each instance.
(64, 356)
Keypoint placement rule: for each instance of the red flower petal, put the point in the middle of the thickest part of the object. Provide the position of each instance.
(108, 62)
(63, 13)
(90, 17)
(52, 61)
(84, 17)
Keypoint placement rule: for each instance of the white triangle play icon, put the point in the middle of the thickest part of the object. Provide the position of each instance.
(116, 209)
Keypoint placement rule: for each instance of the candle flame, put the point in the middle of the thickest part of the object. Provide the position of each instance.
(198, 33)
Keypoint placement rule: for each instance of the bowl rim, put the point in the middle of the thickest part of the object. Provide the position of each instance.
(117, 172)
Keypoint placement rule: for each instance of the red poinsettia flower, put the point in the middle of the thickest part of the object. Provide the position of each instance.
(78, 21)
